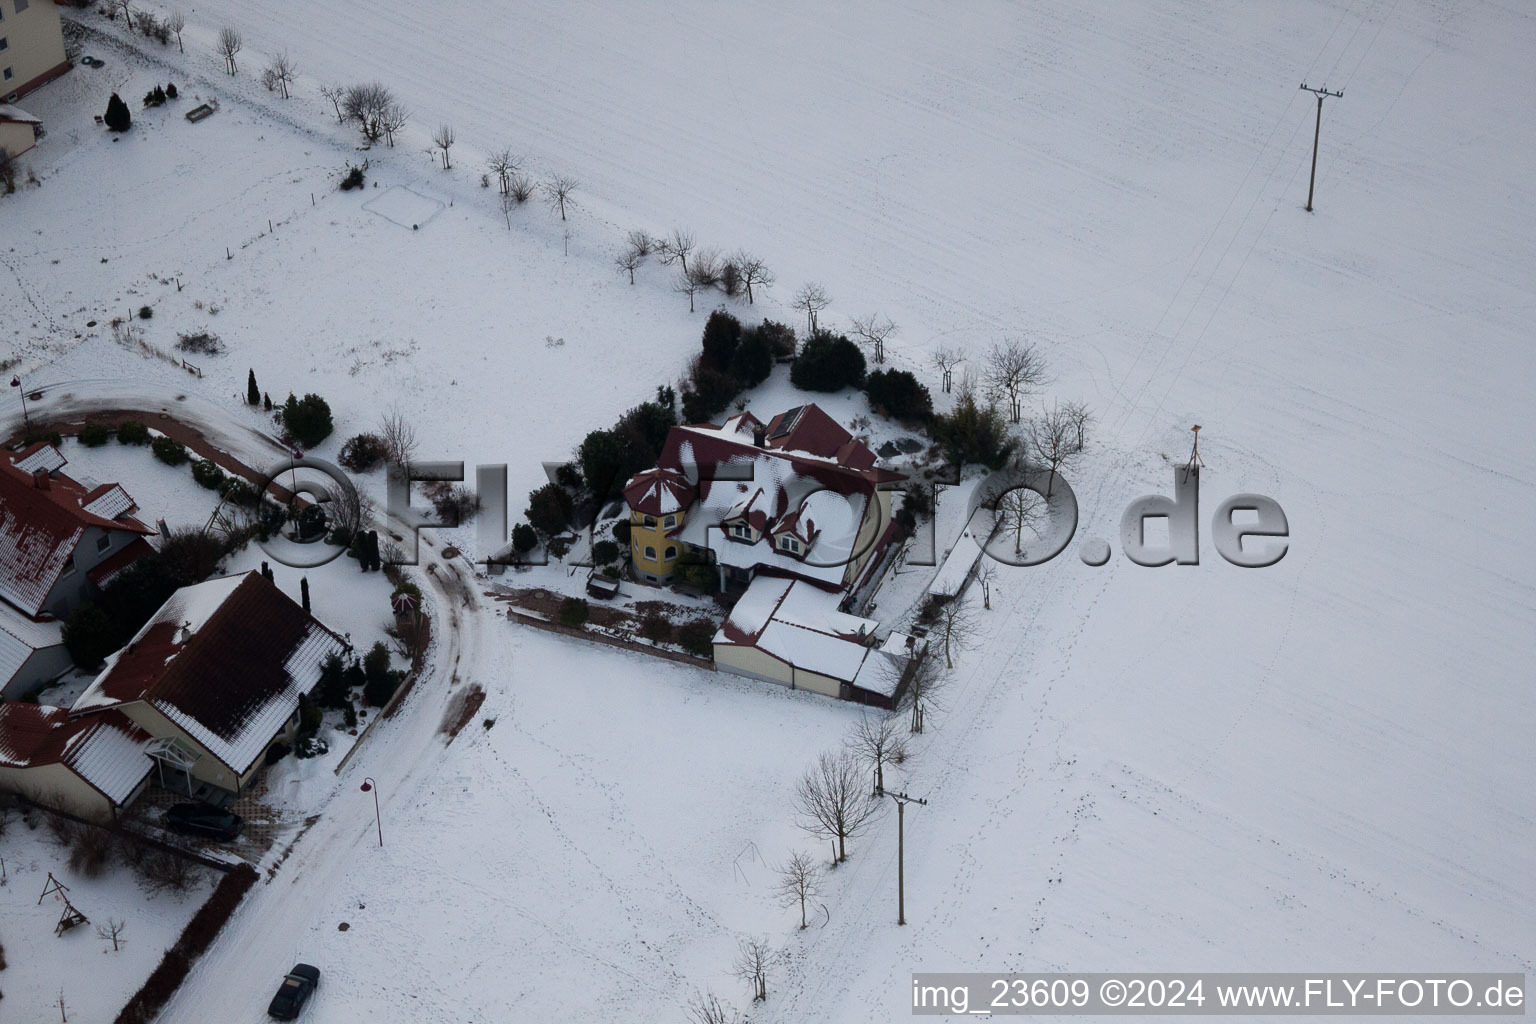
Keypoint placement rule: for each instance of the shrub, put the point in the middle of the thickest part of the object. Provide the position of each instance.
(608, 458)
(205, 343)
(708, 392)
(377, 692)
(132, 432)
(549, 509)
(574, 612)
(145, 312)
(362, 452)
(621, 532)
(170, 90)
(524, 538)
(307, 419)
(331, 690)
(827, 362)
(898, 394)
(697, 637)
(52, 437)
(646, 427)
(779, 337)
(310, 717)
(169, 450)
(354, 178)
(753, 360)
(89, 850)
(117, 117)
(722, 332)
(605, 552)
(376, 662)
(276, 752)
(455, 503)
(656, 628)
(973, 433)
(207, 473)
(90, 635)
(94, 435)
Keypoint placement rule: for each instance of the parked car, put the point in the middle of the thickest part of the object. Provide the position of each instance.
(203, 820)
(294, 992)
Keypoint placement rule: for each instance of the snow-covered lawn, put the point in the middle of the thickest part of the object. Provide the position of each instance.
(95, 980)
(1319, 765)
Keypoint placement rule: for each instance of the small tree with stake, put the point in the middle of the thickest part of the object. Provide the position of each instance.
(799, 880)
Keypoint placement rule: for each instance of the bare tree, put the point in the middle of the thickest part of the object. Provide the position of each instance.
(123, 7)
(1014, 369)
(1019, 509)
(229, 45)
(946, 359)
(520, 188)
(392, 118)
(876, 743)
(558, 191)
(686, 285)
(925, 680)
(706, 268)
(987, 577)
(503, 164)
(366, 103)
(812, 298)
(1054, 437)
(629, 260)
(641, 243)
(167, 872)
(283, 73)
(873, 330)
(335, 93)
(399, 437)
(706, 1008)
(956, 628)
(833, 802)
(754, 273)
(443, 140)
(112, 930)
(176, 21)
(1080, 418)
(799, 880)
(675, 248)
(752, 958)
(348, 508)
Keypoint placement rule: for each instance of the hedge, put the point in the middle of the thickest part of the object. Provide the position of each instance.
(193, 942)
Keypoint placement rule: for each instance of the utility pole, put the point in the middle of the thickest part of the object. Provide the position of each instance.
(902, 800)
(1316, 132)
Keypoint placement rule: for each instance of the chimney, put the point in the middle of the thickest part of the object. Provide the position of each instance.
(40, 479)
(185, 633)
(760, 436)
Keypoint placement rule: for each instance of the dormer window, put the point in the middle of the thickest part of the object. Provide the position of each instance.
(741, 531)
(103, 542)
(788, 543)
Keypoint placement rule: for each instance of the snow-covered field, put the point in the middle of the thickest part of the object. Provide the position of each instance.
(1321, 765)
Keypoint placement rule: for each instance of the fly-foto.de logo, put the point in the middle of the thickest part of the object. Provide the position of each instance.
(1021, 516)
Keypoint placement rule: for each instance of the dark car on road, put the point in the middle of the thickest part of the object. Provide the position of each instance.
(203, 820)
(294, 992)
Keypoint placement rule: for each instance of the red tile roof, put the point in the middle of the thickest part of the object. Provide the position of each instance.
(232, 677)
(104, 749)
(41, 522)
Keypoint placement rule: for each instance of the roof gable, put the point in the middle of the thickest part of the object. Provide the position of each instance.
(225, 660)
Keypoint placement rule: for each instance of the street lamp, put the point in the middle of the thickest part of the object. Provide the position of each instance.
(26, 423)
(370, 785)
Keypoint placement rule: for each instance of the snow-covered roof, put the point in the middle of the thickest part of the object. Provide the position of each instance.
(42, 518)
(225, 660)
(109, 501)
(106, 749)
(799, 625)
(42, 456)
(11, 112)
(659, 492)
(21, 636)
